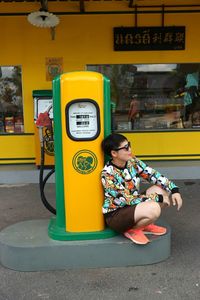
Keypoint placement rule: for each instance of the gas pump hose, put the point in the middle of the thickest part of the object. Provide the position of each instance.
(43, 181)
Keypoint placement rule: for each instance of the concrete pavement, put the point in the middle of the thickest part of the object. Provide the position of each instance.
(21, 174)
(177, 278)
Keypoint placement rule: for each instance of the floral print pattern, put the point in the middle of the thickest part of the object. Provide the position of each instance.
(122, 185)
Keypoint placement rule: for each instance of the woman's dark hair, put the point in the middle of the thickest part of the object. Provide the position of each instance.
(112, 142)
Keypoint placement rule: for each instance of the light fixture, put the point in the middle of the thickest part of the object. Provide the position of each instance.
(43, 19)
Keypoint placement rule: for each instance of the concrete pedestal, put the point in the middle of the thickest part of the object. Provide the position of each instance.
(25, 246)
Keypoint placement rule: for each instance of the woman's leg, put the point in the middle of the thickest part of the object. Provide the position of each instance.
(148, 212)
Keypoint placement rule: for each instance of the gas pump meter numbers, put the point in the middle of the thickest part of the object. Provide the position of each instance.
(82, 119)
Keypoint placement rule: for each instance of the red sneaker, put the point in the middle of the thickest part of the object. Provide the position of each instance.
(154, 229)
(136, 236)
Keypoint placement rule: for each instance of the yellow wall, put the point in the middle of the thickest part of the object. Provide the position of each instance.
(80, 40)
(167, 146)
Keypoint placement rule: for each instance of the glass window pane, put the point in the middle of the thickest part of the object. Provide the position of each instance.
(11, 104)
(153, 96)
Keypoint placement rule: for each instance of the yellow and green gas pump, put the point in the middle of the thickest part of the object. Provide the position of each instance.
(82, 117)
(43, 103)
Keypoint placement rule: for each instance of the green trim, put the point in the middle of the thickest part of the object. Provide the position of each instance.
(21, 158)
(14, 134)
(107, 107)
(59, 233)
(60, 203)
(18, 163)
(42, 93)
(107, 111)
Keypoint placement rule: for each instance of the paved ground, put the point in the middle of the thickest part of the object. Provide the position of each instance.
(177, 278)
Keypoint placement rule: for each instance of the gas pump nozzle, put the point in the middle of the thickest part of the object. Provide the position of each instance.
(43, 121)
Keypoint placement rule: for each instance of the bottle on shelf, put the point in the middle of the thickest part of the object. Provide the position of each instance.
(19, 124)
(9, 123)
(2, 128)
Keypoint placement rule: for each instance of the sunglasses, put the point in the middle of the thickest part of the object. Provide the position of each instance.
(126, 147)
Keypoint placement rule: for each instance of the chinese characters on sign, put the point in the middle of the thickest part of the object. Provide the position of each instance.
(149, 38)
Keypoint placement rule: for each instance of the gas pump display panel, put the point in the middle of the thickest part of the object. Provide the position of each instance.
(82, 119)
(43, 104)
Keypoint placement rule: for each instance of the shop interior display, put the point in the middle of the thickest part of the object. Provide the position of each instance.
(154, 96)
(145, 97)
(11, 104)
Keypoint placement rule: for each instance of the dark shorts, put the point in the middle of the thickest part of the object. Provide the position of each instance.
(121, 219)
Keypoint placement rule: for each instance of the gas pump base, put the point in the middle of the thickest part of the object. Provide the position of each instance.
(26, 246)
(60, 234)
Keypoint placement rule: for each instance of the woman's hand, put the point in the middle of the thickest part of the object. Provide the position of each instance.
(166, 201)
(177, 200)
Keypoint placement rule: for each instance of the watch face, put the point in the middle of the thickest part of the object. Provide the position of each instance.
(82, 119)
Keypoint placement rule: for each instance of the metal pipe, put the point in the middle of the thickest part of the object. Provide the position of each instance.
(110, 12)
(163, 16)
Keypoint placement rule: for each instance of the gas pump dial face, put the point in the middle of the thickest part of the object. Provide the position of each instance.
(43, 104)
(82, 119)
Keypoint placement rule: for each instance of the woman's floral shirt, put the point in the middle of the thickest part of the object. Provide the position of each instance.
(122, 185)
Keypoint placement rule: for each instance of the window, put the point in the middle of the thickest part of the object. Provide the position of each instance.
(153, 96)
(11, 105)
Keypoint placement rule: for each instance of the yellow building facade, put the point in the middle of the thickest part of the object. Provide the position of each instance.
(84, 37)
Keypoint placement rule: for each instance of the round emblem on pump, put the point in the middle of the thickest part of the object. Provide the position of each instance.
(84, 161)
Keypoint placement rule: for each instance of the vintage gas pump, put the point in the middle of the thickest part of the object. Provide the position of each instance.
(43, 103)
(81, 103)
